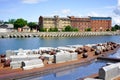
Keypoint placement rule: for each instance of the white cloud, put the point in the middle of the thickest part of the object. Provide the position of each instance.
(95, 14)
(116, 20)
(32, 1)
(109, 7)
(116, 14)
(63, 12)
(66, 11)
(117, 10)
(118, 2)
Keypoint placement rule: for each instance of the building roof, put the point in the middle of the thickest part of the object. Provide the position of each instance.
(100, 18)
(7, 26)
(73, 17)
(3, 26)
(10, 25)
(25, 27)
(112, 66)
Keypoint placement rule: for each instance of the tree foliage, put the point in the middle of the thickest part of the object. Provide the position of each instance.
(1, 21)
(75, 29)
(113, 29)
(43, 29)
(53, 29)
(116, 27)
(11, 21)
(32, 25)
(88, 29)
(19, 23)
(68, 28)
(108, 30)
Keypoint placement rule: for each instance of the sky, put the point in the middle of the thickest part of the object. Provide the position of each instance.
(30, 10)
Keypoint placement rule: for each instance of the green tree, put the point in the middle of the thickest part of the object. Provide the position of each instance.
(107, 30)
(19, 23)
(11, 21)
(32, 25)
(75, 29)
(113, 29)
(117, 27)
(88, 29)
(43, 29)
(6, 22)
(1, 21)
(53, 29)
(68, 28)
(50, 30)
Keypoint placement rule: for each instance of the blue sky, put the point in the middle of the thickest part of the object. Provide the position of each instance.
(31, 9)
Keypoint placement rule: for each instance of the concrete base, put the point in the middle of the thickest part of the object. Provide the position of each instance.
(92, 79)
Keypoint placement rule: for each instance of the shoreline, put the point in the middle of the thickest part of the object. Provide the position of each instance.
(54, 34)
(10, 74)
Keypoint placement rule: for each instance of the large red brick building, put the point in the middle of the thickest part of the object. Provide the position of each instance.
(95, 23)
(82, 23)
(100, 23)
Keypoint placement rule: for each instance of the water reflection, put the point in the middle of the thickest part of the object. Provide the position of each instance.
(116, 55)
(65, 72)
(71, 74)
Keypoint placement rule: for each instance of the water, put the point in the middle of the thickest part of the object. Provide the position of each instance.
(72, 74)
(116, 55)
(34, 43)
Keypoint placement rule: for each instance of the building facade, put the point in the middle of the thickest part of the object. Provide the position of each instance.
(52, 22)
(81, 23)
(100, 23)
(6, 27)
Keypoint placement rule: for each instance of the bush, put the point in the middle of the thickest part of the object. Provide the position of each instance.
(32, 25)
(43, 29)
(88, 29)
(53, 29)
(69, 29)
(107, 30)
(116, 27)
(75, 29)
(113, 29)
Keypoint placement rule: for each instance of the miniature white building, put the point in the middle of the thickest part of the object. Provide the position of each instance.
(109, 72)
(6, 28)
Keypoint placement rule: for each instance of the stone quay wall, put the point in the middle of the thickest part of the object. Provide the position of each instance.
(54, 34)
